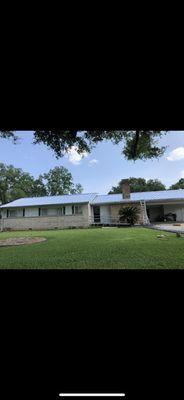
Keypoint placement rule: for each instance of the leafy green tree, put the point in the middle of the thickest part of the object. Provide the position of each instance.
(14, 183)
(38, 188)
(129, 214)
(8, 135)
(59, 181)
(137, 144)
(178, 185)
(153, 185)
(139, 185)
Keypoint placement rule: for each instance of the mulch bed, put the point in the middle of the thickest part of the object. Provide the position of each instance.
(21, 240)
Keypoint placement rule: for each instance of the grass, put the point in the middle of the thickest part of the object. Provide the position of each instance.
(95, 248)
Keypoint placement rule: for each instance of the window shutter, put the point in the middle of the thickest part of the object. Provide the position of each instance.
(39, 212)
(7, 213)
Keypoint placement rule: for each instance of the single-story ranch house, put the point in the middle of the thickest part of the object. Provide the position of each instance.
(83, 210)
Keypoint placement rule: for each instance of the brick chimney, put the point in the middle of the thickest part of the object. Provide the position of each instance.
(125, 189)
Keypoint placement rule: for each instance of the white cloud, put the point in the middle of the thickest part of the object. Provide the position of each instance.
(93, 162)
(74, 157)
(176, 154)
(182, 174)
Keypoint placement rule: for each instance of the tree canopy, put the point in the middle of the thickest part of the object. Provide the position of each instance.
(136, 144)
(15, 183)
(59, 181)
(178, 185)
(139, 185)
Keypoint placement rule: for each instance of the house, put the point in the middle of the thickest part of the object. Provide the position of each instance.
(83, 210)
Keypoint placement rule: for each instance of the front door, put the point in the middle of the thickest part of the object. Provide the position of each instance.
(96, 211)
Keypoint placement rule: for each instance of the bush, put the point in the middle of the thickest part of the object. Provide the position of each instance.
(129, 214)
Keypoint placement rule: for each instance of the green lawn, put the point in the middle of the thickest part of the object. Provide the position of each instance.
(95, 248)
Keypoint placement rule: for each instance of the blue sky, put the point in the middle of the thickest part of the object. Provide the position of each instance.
(103, 168)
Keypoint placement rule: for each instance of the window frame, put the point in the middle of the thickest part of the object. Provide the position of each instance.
(45, 209)
(61, 211)
(12, 216)
(74, 207)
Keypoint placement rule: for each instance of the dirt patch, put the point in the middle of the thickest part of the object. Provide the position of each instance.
(21, 240)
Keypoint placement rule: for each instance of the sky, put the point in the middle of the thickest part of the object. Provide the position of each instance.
(103, 168)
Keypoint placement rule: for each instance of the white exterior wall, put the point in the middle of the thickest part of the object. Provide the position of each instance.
(46, 222)
(176, 209)
(3, 213)
(34, 211)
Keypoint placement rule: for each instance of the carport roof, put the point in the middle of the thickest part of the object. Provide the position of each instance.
(147, 196)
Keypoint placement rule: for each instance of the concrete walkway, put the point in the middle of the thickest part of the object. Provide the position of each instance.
(169, 227)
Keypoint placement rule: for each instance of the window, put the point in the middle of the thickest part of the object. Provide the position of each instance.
(12, 213)
(23, 212)
(44, 212)
(61, 211)
(77, 210)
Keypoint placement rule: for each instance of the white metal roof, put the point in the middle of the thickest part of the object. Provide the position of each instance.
(147, 196)
(93, 198)
(51, 200)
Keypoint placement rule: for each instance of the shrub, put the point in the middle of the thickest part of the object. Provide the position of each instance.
(129, 214)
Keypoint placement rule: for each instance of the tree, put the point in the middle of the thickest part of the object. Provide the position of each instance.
(129, 214)
(139, 185)
(8, 135)
(178, 185)
(38, 188)
(138, 144)
(14, 183)
(154, 185)
(59, 181)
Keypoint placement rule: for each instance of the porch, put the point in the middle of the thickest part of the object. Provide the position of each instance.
(108, 215)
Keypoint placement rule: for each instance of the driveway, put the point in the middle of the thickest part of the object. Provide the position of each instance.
(169, 227)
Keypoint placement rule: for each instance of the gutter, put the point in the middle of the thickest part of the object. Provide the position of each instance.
(137, 201)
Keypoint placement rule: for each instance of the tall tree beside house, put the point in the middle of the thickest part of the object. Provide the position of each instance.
(140, 185)
(15, 183)
(59, 181)
(178, 185)
(136, 144)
